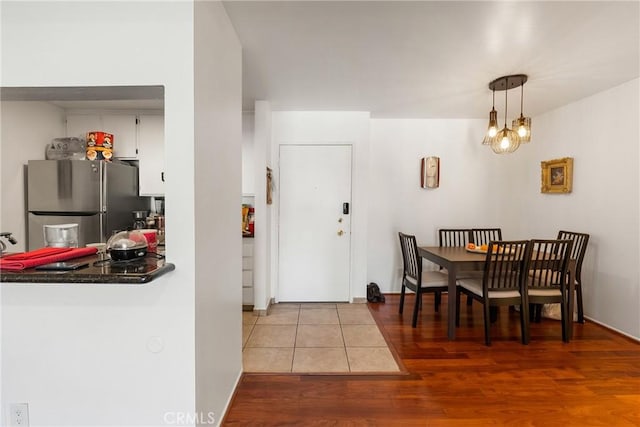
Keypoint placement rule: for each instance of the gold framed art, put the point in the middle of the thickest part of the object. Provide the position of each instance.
(557, 175)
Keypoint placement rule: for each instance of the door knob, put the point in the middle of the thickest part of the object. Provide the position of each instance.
(340, 232)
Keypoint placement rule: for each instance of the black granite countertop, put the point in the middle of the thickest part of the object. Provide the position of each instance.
(100, 269)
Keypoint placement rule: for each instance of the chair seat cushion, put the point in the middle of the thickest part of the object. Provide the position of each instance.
(431, 279)
(475, 286)
(544, 292)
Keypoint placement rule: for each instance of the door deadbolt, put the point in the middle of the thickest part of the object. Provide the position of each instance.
(340, 232)
(339, 219)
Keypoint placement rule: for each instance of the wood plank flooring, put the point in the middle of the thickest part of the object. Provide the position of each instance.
(592, 381)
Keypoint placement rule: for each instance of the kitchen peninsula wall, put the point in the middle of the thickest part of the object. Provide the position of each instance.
(168, 334)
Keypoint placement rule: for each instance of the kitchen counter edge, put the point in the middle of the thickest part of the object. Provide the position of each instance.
(29, 276)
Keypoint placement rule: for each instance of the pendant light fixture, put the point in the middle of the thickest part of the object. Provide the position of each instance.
(507, 140)
(492, 130)
(522, 124)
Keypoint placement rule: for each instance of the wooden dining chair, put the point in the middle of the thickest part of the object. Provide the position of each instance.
(482, 236)
(417, 280)
(547, 276)
(449, 237)
(503, 281)
(579, 248)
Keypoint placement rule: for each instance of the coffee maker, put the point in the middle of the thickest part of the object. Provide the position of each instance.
(139, 220)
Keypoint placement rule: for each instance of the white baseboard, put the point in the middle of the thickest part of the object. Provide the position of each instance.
(604, 325)
(230, 399)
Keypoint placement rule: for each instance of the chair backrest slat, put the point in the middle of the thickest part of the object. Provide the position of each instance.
(411, 261)
(580, 241)
(482, 236)
(549, 263)
(449, 237)
(505, 265)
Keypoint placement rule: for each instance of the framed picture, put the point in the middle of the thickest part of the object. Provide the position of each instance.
(557, 175)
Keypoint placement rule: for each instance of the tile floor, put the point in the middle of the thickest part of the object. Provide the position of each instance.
(315, 338)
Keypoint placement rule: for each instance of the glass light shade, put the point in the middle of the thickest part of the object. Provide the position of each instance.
(506, 141)
(492, 130)
(522, 125)
(488, 140)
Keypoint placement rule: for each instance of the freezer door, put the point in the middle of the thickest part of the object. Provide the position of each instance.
(64, 186)
(88, 228)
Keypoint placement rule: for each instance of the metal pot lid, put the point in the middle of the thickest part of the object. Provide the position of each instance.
(127, 240)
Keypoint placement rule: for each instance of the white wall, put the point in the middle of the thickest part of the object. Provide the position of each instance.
(264, 245)
(248, 164)
(602, 135)
(480, 188)
(26, 129)
(218, 146)
(350, 128)
(470, 191)
(88, 354)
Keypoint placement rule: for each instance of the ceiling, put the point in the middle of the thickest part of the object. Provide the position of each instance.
(428, 59)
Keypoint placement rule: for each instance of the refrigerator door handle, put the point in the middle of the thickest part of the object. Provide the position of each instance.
(103, 186)
(103, 227)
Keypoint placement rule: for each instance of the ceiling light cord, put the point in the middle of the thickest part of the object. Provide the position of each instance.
(506, 100)
(521, 99)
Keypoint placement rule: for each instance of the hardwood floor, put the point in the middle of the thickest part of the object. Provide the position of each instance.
(593, 380)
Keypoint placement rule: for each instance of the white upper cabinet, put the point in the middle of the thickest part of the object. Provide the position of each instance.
(136, 137)
(79, 124)
(151, 154)
(121, 126)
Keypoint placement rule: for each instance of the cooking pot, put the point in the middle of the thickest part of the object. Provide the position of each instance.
(61, 235)
(127, 245)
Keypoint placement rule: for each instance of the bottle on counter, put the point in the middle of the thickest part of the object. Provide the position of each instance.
(250, 220)
(245, 219)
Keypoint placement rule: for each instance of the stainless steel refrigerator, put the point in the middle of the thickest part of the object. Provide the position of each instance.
(99, 196)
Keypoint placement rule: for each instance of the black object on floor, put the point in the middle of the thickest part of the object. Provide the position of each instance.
(373, 293)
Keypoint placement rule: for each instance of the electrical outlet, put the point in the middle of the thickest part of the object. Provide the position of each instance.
(19, 415)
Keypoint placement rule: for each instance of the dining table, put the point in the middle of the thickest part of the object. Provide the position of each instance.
(456, 259)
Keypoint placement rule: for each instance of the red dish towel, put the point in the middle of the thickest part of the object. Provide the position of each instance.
(13, 264)
(38, 253)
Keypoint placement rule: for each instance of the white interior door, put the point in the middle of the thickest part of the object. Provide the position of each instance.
(315, 230)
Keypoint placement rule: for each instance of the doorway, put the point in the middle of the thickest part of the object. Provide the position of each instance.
(314, 241)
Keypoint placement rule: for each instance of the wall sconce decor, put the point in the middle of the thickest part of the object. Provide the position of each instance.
(507, 140)
(430, 172)
(557, 175)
